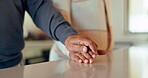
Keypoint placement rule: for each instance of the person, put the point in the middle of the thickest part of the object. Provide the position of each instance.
(47, 18)
(94, 23)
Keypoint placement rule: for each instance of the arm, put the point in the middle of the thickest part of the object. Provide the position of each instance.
(48, 19)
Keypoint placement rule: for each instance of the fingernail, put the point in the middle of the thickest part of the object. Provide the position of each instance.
(94, 56)
(86, 61)
(80, 61)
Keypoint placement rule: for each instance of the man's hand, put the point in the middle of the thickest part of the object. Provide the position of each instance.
(75, 43)
(82, 49)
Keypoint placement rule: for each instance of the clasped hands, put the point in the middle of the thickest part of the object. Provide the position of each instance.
(82, 49)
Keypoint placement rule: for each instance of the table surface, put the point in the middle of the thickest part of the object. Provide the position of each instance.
(123, 63)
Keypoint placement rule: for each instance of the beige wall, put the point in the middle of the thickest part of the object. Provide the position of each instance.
(119, 23)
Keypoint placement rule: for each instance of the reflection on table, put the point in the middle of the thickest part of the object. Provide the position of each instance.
(123, 63)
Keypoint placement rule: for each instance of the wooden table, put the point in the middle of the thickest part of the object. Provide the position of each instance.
(123, 63)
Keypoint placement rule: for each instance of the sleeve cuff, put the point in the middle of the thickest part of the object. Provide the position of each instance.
(64, 31)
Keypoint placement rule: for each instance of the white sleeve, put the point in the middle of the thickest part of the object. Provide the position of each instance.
(62, 48)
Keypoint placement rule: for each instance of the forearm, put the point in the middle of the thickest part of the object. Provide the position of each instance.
(48, 19)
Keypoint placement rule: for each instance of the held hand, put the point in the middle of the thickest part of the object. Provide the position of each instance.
(82, 49)
(85, 57)
(82, 57)
(75, 43)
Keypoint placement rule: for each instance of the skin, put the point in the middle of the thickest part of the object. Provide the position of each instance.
(82, 49)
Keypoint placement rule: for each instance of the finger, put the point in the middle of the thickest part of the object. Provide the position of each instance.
(87, 55)
(91, 61)
(91, 45)
(93, 48)
(86, 61)
(76, 58)
(81, 56)
(101, 52)
(92, 54)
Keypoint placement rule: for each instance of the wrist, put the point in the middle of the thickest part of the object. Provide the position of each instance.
(69, 38)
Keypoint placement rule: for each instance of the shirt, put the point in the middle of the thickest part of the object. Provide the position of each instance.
(44, 15)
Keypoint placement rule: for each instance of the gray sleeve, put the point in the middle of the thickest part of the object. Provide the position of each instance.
(48, 19)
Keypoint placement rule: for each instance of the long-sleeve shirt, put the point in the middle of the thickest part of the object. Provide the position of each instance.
(44, 15)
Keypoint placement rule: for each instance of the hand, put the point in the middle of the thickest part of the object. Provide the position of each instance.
(75, 43)
(85, 57)
(82, 57)
(82, 49)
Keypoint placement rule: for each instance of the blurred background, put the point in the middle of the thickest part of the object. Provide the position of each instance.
(130, 27)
